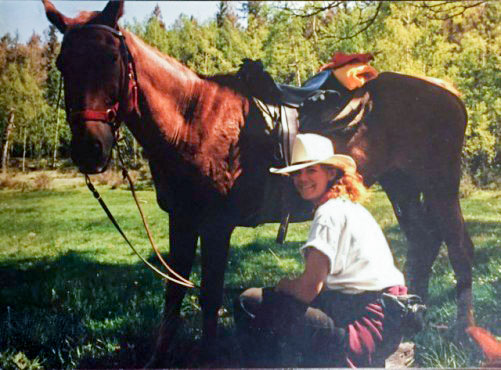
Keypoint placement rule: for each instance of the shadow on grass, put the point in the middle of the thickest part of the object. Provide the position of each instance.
(76, 312)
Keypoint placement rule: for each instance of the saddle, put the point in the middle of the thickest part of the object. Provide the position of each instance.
(287, 109)
(323, 104)
(280, 104)
(263, 87)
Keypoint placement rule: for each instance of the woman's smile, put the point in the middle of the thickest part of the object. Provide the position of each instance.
(312, 182)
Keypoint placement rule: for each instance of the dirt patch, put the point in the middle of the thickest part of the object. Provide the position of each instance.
(41, 180)
(403, 356)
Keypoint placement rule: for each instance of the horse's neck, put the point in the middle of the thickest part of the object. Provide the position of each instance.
(166, 89)
(160, 71)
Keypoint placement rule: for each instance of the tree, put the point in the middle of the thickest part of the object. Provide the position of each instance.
(7, 135)
(53, 93)
(225, 13)
(439, 10)
(288, 55)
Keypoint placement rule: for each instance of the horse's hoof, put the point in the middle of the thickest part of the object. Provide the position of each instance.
(154, 362)
(159, 360)
(208, 355)
(456, 333)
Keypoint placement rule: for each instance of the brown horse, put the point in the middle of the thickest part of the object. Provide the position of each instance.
(209, 153)
(205, 141)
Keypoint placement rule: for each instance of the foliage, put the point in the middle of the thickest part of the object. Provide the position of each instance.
(459, 42)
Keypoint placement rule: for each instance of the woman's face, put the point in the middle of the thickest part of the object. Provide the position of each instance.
(311, 182)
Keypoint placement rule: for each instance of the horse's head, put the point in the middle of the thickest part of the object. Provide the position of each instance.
(94, 65)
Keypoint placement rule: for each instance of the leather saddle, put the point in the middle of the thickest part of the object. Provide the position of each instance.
(263, 87)
(282, 105)
(295, 96)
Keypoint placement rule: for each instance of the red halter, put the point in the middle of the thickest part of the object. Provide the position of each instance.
(114, 114)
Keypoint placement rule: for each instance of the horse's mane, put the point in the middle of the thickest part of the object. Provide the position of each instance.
(162, 60)
(85, 16)
(229, 80)
(449, 86)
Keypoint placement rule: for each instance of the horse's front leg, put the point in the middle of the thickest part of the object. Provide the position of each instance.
(183, 241)
(215, 246)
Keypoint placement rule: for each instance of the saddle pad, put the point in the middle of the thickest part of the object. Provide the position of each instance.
(355, 75)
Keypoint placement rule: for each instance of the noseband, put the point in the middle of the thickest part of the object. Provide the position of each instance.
(114, 114)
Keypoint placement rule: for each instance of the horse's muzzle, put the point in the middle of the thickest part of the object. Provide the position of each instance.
(91, 147)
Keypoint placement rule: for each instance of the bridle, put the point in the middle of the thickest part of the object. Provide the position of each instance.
(114, 114)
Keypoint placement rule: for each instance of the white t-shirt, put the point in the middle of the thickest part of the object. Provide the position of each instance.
(359, 256)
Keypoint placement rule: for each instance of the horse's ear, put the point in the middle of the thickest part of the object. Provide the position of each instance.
(55, 17)
(112, 13)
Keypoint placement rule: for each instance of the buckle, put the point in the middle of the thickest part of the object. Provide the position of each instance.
(111, 115)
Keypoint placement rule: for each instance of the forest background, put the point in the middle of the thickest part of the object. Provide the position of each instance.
(459, 42)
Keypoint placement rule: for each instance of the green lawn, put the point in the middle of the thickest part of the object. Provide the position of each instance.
(73, 295)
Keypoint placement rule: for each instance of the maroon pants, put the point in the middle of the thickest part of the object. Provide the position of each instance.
(336, 329)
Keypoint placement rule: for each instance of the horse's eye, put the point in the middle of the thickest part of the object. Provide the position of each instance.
(113, 58)
(108, 57)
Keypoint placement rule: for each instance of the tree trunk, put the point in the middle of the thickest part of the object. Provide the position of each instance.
(24, 148)
(134, 148)
(298, 74)
(56, 140)
(5, 151)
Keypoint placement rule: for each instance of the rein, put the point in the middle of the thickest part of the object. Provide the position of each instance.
(178, 278)
(114, 115)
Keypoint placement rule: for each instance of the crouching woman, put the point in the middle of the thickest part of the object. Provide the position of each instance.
(332, 314)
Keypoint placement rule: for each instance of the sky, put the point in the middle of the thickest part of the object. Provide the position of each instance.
(28, 16)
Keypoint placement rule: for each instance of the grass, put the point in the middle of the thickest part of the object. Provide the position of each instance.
(73, 295)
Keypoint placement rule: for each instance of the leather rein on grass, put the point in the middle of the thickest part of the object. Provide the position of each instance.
(178, 279)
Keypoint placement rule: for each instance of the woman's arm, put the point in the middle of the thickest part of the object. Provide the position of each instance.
(308, 285)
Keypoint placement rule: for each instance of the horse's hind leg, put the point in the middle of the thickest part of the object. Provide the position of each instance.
(417, 223)
(183, 241)
(460, 249)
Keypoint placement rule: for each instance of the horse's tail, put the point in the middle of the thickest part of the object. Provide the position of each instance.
(490, 345)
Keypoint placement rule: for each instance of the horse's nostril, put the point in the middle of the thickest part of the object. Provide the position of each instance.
(97, 146)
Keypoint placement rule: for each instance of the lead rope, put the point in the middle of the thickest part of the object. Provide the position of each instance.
(181, 281)
(126, 175)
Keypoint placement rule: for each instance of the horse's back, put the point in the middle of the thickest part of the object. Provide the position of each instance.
(409, 112)
(403, 101)
(416, 91)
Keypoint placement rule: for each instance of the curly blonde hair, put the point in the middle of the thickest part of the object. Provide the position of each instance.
(350, 185)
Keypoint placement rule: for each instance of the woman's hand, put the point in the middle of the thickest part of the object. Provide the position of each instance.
(286, 285)
(307, 286)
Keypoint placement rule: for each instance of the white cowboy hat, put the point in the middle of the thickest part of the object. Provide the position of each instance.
(310, 149)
